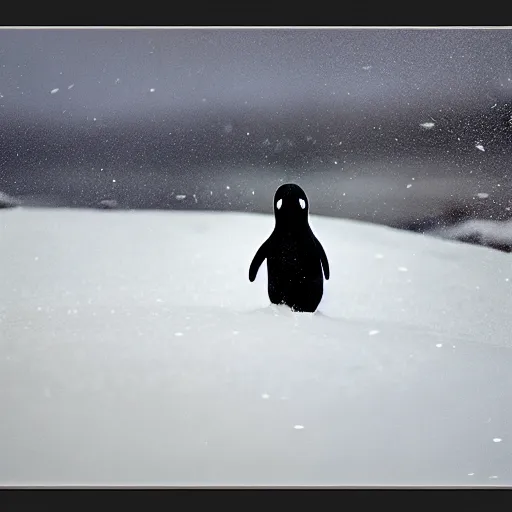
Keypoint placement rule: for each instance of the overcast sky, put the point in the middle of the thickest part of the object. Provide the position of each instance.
(127, 71)
(309, 99)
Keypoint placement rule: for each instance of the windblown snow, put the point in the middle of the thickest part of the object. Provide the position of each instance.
(7, 201)
(484, 232)
(134, 350)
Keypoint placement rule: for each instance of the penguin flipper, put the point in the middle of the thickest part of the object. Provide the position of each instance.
(258, 259)
(323, 259)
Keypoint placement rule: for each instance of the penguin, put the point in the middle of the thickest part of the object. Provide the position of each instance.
(295, 257)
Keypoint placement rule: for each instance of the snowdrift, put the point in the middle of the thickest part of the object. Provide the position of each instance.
(488, 233)
(7, 201)
(134, 350)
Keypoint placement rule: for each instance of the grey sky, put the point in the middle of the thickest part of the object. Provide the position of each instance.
(341, 108)
(114, 71)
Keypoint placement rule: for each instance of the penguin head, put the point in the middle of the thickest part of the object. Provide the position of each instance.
(291, 205)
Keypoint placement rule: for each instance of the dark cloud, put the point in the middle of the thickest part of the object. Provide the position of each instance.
(132, 71)
(139, 116)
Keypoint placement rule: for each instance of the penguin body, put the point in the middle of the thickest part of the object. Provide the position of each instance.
(296, 260)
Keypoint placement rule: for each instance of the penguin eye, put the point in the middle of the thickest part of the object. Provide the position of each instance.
(302, 203)
(279, 203)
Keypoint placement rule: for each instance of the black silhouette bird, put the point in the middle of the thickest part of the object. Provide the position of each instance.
(294, 255)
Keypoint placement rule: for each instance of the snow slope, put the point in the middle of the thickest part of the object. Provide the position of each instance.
(134, 350)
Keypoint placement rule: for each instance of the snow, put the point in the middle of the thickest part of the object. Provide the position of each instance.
(497, 234)
(428, 126)
(53, 91)
(108, 203)
(7, 201)
(480, 147)
(110, 395)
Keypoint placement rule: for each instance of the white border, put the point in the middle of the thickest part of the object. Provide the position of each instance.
(291, 27)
